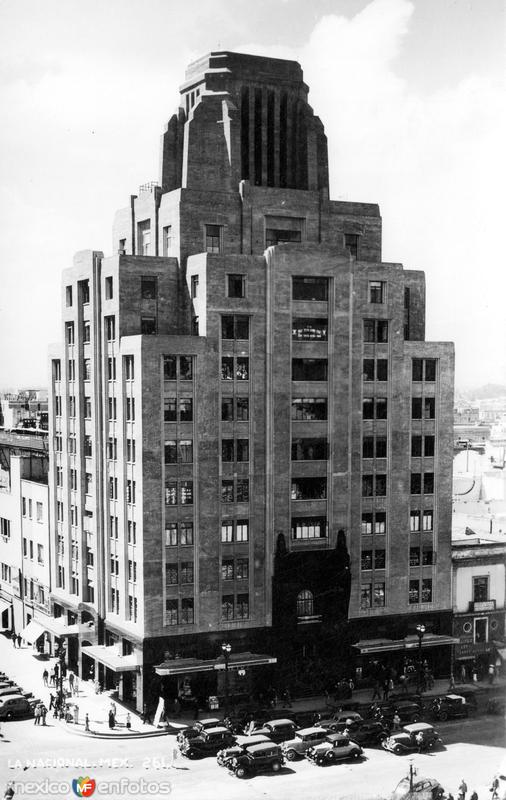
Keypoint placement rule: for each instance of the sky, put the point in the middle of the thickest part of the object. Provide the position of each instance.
(411, 93)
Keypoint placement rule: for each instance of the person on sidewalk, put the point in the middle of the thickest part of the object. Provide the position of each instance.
(396, 721)
(43, 713)
(87, 723)
(462, 790)
(52, 677)
(71, 682)
(376, 691)
(45, 676)
(111, 719)
(13, 639)
(128, 721)
(491, 673)
(463, 674)
(36, 714)
(76, 714)
(76, 684)
(18, 638)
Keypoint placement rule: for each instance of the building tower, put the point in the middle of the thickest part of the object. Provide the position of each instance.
(258, 438)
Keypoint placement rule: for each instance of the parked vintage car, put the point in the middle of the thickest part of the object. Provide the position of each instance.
(224, 757)
(266, 757)
(335, 747)
(422, 789)
(7, 690)
(208, 743)
(13, 706)
(369, 733)
(407, 710)
(196, 730)
(405, 741)
(450, 706)
(340, 720)
(278, 730)
(302, 741)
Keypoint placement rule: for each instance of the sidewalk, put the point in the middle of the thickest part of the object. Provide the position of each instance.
(25, 667)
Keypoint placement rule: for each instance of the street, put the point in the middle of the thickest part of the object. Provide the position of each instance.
(473, 749)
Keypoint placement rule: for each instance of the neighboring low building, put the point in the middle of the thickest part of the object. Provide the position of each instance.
(24, 409)
(479, 595)
(24, 536)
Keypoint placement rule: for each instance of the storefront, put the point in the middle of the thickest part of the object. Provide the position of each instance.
(403, 655)
(113, 670)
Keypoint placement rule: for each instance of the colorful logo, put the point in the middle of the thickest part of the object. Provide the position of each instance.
(83, 787)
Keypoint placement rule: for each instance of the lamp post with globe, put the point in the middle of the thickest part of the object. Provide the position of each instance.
(420, 631)
(226, 649)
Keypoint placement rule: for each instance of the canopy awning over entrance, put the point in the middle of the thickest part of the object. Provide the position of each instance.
(32, 631)
(110, 657)
(368, 646)
(4, 604)
(187, 666)
(59, 627)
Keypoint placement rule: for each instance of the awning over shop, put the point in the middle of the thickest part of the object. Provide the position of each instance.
(187, 666)
(4, 604)
(110, 657)
(59, 627)
(32, 631)
(501, 652)
(368, 646)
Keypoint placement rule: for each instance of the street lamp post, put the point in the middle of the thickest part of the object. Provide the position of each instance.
(227, 649)
(420, 630)
(60, 653)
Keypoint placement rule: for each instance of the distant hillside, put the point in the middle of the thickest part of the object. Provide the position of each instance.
(489, 391)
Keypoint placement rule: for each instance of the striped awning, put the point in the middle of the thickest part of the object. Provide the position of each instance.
(188, 666)
(367, 646)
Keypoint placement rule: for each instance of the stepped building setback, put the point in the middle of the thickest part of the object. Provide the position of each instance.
(252, 438)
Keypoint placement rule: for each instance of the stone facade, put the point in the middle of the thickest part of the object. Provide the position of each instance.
(241, 385)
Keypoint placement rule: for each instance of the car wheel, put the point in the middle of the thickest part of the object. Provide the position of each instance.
(329, 757)
(355, 754)
(443, 716)
(291, 755)
(240, 772)
(276, 766)
(8, 716)
(397, 750)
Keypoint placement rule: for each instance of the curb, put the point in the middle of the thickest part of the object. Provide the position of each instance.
(99, 735)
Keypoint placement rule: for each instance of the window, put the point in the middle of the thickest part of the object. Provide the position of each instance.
(171, 574)
(305, 288)
(242, 606)
(427, 590)
(242, 450)
(71, 371)
(416, 483)
(131, 532)
(88, 483)
(423, 407)
(73, 479)
(227, 449)
(368, 369)
(87, 369)
(309, 449)
(234, 327)
(367, 523)
(351, 241)
(239, 370)
(213, 238)
(366, 559)
(374, 446)
(130, 491)
(379, 559)
(185, 533)
(170, 409)
(185, 409)
(187, 611)
(414, 592)
(309, 369)
(309, 329)
(171, 493)
(428, 520)
(166, 239)
(227, 491)
(185, 368)
(144, 237)
(113, 527)
(171, 610)
(59, 511)
(113, 488)
(109, 287)
(227, 531)
(480, 630)
(110, 328)
(186, 493)
(130, 447)
(84, 289)
(148, 287)
(186, 572)
(58, 443)
(5, 528)
(376, 330)
(428, 446)
(242, 569)
(305, 603)
(427, 558)
(72, 406)
(376, 292)
(148, 326)
(68, 296)
(86, 332)
(374, 485)
(309, 528)
(274, 236)
(428, 483)
(69, 332)
(380, 522)
(480, 589)
(379, 595)
(374, 408)
(242, 490)
(57, 406)
(185, 451)
(366, 596)
(112, 448)
(424, 369)
(236, 285)
(171, 534)
(241, 530)
(414, 521)
(227, 415)
(416, 446)
(227, 569)
(128, 362)
(227, 607)
(309, 408)
(194, 286)
(56, 370)
(414, 556)
(130, 409)
(111, 408)
(309, 488)
(25, 546)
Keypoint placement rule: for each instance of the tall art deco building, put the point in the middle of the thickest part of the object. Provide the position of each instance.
(252, 439)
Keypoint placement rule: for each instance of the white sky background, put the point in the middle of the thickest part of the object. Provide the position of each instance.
(411, 93)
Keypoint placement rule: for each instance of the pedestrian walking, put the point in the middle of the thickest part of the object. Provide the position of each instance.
(491, 673)
(13, 639)
(396, 720)
(86, 723)
(18, 639)
(51, 700)
(76, 714)
(36, 715)
(43, 712)
(386, 688)
(111, 719)
(463, 673)
(376, 691)
(51, 676)
(76, 684)
(451, 685)
(462, 789)
(71, 682)
(287, 700)
(56, 673)
(45, 676)
(128, 721)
